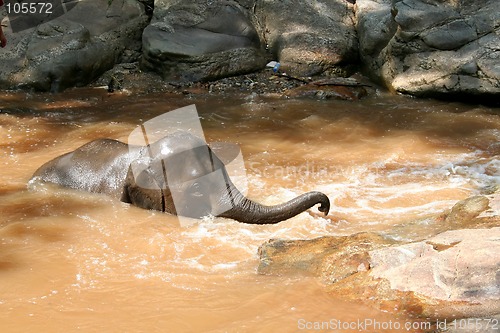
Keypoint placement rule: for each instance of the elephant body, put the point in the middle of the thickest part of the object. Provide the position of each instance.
(178, 174)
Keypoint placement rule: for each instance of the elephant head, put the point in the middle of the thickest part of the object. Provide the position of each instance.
(181, 175)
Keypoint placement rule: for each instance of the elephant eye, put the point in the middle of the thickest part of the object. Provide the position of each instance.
(196, 189)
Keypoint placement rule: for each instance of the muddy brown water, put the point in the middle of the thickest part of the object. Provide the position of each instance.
(72, 261)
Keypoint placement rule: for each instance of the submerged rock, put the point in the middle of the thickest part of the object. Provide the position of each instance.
(432, 48)
(331, 258)
(74, 48)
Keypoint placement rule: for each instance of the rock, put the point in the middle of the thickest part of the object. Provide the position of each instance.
(337, 88)
(466, 210)
(74, 48)
(470, 213)
(201, 41)
(331, 258)
(455, 273)
(375, 27)
(309, 37)
(451, 274)
(327, 92)
(431, 47)
(450, 35)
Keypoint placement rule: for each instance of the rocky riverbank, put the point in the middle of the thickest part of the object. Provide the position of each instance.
(422, 48)
(264, 83)
(447, 269)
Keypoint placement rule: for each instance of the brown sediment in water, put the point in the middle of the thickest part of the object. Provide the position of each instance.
(77, 261)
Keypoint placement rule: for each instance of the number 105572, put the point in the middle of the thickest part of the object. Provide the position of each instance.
(29, 8)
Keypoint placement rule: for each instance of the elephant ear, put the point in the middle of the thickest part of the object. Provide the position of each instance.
(143, 190)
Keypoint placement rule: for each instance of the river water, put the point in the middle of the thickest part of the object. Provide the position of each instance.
(73, 261)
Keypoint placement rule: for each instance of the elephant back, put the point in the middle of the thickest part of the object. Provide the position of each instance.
(99, 166)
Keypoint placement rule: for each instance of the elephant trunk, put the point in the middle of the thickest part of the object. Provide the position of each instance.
(248, 211)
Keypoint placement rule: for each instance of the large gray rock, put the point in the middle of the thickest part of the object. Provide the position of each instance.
(432, 47)
(309, 37)
(201, 40)
(75, 48)
(375, 27)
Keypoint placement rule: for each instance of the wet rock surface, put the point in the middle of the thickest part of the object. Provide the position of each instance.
(331, 258)
(450, 270)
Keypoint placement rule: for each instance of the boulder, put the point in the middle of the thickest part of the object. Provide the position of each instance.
(448, 274)
(467, 210)
(309, 37)
(75, 48)
(432, 47)
(455, 273)
(201, 41)
(375, 27)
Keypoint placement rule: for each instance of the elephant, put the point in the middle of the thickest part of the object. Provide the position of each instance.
(178, 174)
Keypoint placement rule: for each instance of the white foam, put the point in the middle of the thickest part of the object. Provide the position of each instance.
(374, 196)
